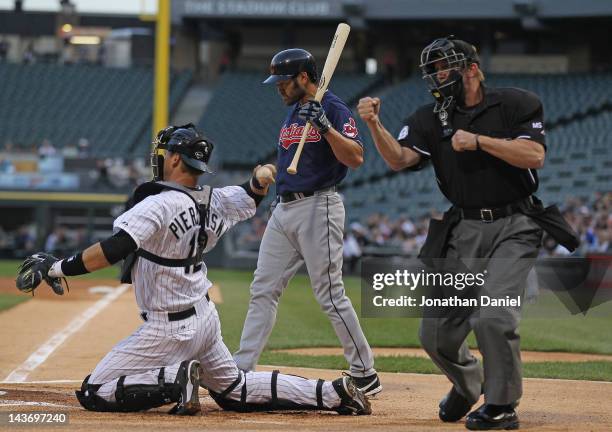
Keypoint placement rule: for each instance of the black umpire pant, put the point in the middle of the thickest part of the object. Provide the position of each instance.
(509, 246)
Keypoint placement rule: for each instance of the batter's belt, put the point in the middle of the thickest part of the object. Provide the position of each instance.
(293, 196)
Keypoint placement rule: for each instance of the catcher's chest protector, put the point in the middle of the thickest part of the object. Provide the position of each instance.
(201, 198)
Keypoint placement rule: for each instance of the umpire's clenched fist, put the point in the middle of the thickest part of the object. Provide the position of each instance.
(368, 109)
(463, 141)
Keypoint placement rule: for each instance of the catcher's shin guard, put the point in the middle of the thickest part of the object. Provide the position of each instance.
(275, 404)
(89, 400)
(130, 398)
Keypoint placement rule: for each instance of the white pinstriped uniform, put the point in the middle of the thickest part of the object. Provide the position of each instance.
(165, 225)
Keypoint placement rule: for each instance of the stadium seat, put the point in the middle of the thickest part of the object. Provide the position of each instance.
(62, 103)
(241, 99)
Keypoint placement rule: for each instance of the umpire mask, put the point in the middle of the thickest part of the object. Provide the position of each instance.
(441, 64)
(194, 148)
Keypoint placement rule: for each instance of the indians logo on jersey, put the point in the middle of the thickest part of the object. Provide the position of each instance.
(350, 129)
(292, 134)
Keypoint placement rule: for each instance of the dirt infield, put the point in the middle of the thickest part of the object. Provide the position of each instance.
(408, 402)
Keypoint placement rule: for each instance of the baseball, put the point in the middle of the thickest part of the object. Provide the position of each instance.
(266, 174)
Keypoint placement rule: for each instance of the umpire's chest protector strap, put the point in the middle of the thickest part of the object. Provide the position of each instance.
(200, 197)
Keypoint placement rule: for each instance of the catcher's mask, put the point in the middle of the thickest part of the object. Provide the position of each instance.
(441, 64)
(194, 148)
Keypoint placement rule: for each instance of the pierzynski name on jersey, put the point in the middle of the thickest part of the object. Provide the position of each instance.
(182, 222)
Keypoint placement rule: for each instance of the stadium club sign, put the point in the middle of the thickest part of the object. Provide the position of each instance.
(261, 8)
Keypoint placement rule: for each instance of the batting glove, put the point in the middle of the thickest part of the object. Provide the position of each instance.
(313, 112)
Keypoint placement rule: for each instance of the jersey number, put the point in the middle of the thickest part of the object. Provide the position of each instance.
(192, 250)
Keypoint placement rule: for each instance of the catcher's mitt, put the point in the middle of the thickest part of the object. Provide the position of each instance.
(34, 270)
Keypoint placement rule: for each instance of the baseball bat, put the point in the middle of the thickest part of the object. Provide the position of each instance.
(335, 50)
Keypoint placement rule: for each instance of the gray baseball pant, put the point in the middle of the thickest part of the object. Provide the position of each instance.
(308, 230)
(511, 244)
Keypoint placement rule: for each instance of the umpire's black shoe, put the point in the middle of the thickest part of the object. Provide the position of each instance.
(453, 407)
(369, 385)
(188, 378)
(352, 400)
(493, 417)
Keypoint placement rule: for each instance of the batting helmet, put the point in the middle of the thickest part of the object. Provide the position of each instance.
(193, 147)
(290, 62)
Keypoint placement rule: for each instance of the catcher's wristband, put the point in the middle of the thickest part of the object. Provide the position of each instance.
(256, 183)
(72, 266)
(250, 192)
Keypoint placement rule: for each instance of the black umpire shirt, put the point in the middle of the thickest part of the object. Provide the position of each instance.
(476, 179)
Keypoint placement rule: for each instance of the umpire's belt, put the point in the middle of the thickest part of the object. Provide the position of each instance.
(492, 214)
(176, 316)
(293, 196)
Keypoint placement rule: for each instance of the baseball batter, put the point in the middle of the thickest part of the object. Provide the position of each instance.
(164, 235)
(307, 224)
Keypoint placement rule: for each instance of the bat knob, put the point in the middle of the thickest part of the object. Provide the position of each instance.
(291, 170)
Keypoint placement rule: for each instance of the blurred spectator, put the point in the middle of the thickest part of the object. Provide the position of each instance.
(83, 147)
(103, 180)
(101, 55)
(224, 63)
(407, 226)
(29, 56)
(390, 63)
(4, 48)
(351, 250)
(251, 237)
(405, 236)
(25, 240)
(46, 149)
(81, 240)
(4, 239)
(57, 243)
(6, 166)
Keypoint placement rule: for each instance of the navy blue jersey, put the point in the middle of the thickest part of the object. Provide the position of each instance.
(318, 167)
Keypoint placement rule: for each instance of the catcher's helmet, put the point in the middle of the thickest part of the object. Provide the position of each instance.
(290, 62)
(194, 148)
(455, 56)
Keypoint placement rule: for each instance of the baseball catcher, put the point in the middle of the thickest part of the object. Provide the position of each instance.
(172, 222)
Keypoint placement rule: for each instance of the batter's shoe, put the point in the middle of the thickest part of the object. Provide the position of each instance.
(493, 417)
(188, 377)
(369, 385)
(352, 400)
(453, 407)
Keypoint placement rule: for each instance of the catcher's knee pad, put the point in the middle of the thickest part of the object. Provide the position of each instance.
(89, 400)
(275, 404)
(130, 398)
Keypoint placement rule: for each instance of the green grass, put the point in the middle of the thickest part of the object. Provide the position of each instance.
(300, 322)
(592, 370)
(383, 363)
(8, 268)
(7, 301)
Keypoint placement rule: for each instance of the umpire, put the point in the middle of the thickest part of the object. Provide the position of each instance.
(485, 145)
